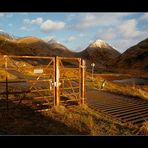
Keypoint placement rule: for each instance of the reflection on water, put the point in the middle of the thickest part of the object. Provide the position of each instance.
(138, 81)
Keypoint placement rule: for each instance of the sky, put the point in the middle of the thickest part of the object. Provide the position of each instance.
(77, 30)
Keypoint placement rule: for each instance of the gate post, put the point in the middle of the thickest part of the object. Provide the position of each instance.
(56, 82)
(6, 74)
(82, 81)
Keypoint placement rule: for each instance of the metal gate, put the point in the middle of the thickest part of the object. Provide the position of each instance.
(39, 81)
(71, 78)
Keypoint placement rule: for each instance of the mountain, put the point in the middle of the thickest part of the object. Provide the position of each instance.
(134, 58)
(100, 53)
(52, 41)
(6, 35)
(32, 46)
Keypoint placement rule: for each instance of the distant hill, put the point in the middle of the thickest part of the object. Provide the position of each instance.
(134, 58)
(6, 35)
(32, 46)
(100, 53)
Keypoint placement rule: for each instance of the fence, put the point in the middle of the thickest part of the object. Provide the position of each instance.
(34, 80)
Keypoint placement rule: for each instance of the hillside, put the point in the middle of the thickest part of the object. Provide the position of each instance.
(134, 58)
(98, 52)
(32, 46)
(6, 35)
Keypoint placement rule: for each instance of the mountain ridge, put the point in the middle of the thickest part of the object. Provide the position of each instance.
(99, 52)
(135, 57)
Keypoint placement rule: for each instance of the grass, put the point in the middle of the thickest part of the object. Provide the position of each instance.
(85, 119)
(144, 129)
(70, 120)
(135, 90)
(124, 89)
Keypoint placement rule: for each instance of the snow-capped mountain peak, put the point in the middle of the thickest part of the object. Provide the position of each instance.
(99, 43)
(52, 41)
(9, 36)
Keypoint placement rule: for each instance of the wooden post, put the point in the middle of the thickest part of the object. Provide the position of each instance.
(6, 66)
(56, 82)
(82, 81)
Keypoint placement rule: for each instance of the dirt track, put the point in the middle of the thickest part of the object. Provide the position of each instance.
(124, 108)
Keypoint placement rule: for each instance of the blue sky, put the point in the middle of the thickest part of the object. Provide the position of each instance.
(78, 30)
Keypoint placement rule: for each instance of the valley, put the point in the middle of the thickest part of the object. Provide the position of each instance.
(118, 83)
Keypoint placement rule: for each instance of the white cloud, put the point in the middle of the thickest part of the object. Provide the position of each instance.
(71, 38)
(9, 15)
(23, 13)
(87, 20)
(106, 34)
(122, 30)
(27, 21)
(129, 29)
(51, 25)
(122, 35)
(144, 16)
(24, 28)
(82, 35)
(70, 17)
(2, 30)
(37, 21)
(45, 25)
(2, 14)
(124, 44)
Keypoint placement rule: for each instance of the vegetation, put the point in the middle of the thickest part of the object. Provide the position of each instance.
(70, 120)
(124, 89)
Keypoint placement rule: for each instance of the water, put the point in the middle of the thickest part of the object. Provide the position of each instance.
(137, 81)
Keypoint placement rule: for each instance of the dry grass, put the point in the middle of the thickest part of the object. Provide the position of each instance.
(89, 121)
(70, 120)
(133, 72)
(125, 89)
(144, 129)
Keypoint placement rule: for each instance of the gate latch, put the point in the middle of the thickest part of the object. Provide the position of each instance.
(55, 84)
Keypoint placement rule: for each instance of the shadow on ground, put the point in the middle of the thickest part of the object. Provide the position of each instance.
(25, 121)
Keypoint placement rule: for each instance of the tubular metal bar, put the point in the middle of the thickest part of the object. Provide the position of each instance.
(69, 88)
(82, 81)
(43, 97)
(30, 57)
(15, 92)
(65, 58)
(66, 68)
(6, 73)
(56, 83)
(70, 94)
